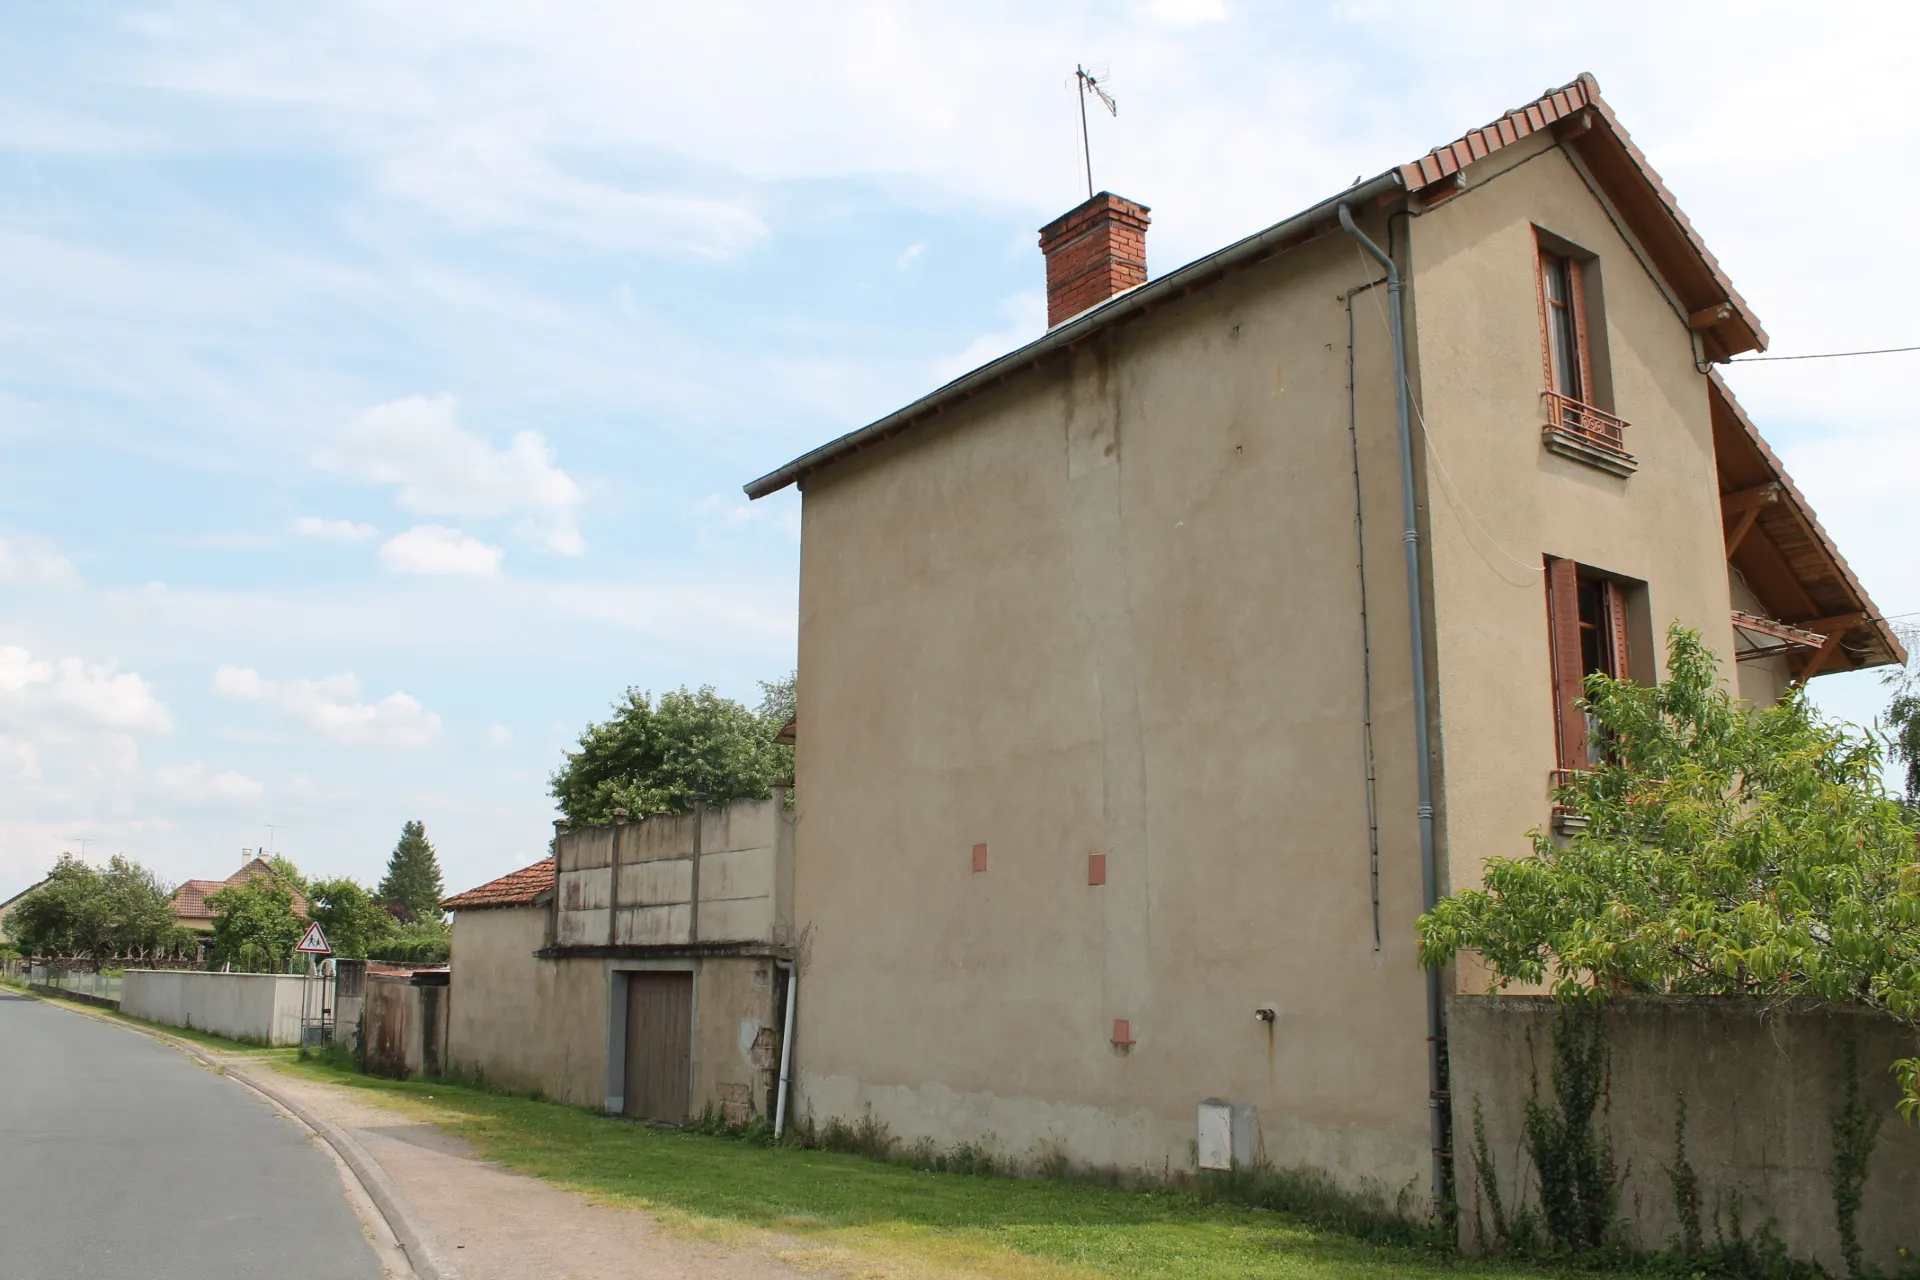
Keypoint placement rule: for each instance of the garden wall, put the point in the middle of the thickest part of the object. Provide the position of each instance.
(245, 1006)
(1761, 1090)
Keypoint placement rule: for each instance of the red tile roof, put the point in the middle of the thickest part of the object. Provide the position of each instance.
(516, 889)
(189, 901)
(1586, 125)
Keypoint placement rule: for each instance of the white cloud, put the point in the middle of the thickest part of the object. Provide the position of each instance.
(1186, 13)
(196, 784)
(908, 254)
(496, 735)
(335, 708)
(1026, 317)
(29, 562)
(437, 550)
(70, 693)
(445, 470)
(336, 530)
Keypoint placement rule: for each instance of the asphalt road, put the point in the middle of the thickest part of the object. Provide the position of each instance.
(121, 1159)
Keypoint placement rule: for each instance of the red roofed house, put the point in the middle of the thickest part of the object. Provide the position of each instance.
(189, 901)
(1158, 673)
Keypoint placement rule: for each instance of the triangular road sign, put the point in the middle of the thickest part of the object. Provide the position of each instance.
(315, 943)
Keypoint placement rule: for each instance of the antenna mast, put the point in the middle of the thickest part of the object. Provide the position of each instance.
(1090, 83)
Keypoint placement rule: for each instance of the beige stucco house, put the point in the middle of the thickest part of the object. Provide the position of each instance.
(1157, 673)
(644, 967)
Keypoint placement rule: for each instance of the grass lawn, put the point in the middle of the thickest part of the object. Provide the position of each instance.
(928, 1222)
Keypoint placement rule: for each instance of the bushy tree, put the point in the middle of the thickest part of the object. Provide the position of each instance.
(350, 917)
(1902, 720)
(82, 912)
(660, 758)
(412, 883)
(255, 929)
(422, 942)
(1727, 851)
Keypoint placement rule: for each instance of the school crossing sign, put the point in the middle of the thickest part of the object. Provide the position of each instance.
(315, 943)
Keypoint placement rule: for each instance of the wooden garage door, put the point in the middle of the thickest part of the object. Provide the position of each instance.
(659, 1045)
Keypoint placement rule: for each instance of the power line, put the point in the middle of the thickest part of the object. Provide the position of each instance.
(1824, 355)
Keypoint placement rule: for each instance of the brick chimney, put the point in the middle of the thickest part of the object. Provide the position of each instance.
(1093, 252)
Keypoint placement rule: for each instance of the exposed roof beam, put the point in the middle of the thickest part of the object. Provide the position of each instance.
(1743, 499)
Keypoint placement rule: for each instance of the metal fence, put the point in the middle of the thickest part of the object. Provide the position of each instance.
(103, 984)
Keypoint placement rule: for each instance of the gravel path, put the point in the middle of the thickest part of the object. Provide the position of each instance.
(496, 1225)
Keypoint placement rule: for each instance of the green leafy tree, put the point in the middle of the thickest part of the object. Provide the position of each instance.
(422, 942)
(82, 912)
(291, 876)
(350, 917)
(412, 882)
(1727, 851)
(255, 929)
(660, 758)
(1902, 719)
(779, 702)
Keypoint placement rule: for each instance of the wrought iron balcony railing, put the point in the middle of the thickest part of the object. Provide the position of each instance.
(1587, 434)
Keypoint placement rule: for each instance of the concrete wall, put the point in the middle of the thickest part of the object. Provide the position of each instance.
(745, 869)
(406, 1027)
(525, 1023)
(736, 1038)
(558, 1025)
(1504, 502)
(1112, 609)
(1760, 1093)
(253, 1006)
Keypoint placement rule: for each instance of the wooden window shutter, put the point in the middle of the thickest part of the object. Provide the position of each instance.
(1563, 626)
(1617, 621)
(1577, 277)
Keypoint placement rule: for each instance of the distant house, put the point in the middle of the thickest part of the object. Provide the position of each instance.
(6, 908)
(189, 901)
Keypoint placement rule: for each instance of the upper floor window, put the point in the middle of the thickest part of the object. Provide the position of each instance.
(1567, 358)
(1573, 341)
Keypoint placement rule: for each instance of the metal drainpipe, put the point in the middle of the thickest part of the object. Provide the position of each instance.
(1437, 1101)
(786, 1047)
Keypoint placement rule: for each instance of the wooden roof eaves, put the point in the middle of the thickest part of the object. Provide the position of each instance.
(1803, 511)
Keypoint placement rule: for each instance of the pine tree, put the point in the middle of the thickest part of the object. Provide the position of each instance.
(412, 881)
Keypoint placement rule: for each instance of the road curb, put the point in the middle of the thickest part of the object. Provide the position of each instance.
(422, 1256)
(414, 1240)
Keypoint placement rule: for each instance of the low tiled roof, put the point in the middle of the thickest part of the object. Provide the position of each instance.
(189, 901)
(515, 889)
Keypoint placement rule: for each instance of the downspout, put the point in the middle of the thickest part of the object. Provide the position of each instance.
(1438, 1110)
(786, 1047)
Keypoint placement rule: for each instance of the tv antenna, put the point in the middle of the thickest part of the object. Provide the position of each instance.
(1090, 83)
(273, 840)
(83, 842)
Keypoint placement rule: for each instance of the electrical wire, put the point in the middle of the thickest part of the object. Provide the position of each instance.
(1447, 485)
(1823, 355)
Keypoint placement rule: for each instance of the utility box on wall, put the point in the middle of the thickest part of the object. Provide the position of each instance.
(1225, 1135)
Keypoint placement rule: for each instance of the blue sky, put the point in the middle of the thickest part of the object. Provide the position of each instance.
(377, 380)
